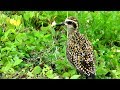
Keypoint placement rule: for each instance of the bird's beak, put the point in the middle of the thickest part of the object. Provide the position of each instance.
(60, 24)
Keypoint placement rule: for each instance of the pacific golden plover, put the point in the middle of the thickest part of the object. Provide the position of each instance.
(79, 50)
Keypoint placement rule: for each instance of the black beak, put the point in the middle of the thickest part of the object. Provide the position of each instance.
(60, 24)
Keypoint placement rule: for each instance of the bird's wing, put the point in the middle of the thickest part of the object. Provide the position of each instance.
(80, 54)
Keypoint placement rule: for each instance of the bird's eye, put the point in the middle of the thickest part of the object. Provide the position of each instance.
(69, 22)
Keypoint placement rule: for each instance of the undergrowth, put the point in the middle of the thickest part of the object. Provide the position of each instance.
(32, 48)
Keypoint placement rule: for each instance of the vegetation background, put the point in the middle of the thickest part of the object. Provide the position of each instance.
(32, 48)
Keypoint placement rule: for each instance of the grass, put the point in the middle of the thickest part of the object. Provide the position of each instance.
(31, 48)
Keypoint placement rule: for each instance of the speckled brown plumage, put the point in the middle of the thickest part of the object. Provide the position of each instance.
(79, 49)
(80, 53)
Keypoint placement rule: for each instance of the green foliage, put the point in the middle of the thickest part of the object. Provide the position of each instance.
(75, 77)
(26, 35)
(36, 70)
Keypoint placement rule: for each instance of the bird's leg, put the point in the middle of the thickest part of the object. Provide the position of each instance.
(92, 76)
(82, 76)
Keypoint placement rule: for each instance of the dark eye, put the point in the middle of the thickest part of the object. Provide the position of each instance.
(69, 22)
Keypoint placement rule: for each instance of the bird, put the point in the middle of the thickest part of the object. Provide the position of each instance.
(79, 50)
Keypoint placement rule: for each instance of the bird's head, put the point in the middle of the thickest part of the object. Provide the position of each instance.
(70, 22)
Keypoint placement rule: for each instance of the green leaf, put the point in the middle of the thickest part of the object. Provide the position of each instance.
(63, 37)
(32, 14)
(53, 32)
(47, 37)
(1, 32)
(75, 77)
(5, 49)
(50, 74)
(28, 15)
(72, 72)
(7, 67)
(101, 71)
(38, 34)
(66, 74)
(36, 70)
(17, 61)
(5, 36)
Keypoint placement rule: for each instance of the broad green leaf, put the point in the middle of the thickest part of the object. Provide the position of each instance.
(5, 36)
(17, 61)
(66, 74)
(72, 72)
(36, 70)
(101, 71)
(64, 37)
(75, 77)
(38, 34)
(50, 74)
(7, 67)
(114, 71)
(31, 14)
(26, 16)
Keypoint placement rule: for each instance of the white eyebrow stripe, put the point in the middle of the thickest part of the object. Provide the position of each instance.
(70, 20)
